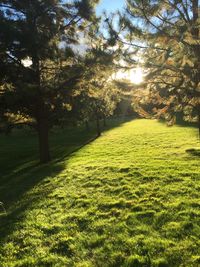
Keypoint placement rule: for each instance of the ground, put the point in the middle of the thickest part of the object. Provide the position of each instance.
(129, 198)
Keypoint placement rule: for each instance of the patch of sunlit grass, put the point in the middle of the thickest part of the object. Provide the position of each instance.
(130, 198)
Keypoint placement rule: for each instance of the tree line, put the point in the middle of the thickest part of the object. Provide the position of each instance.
(44, 81)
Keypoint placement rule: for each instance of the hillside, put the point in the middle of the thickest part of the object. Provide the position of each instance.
(129, 198)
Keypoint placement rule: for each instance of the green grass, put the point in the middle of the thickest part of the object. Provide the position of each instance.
(129, 198)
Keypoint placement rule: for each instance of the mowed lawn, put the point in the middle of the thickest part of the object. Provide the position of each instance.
(129, 198)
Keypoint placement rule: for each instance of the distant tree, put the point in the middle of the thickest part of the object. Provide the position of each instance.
(165, 35)
(38, 68)
(100, 95)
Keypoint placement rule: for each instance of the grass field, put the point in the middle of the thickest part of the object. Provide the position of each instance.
(129, 198)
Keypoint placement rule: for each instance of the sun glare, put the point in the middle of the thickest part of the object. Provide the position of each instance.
(27, 62)
(135, 76)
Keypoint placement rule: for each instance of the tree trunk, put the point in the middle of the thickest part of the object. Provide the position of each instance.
(43, 138)
(104, 121)
(87, 126)
(98, 126)
(8, 130)
(41, 115)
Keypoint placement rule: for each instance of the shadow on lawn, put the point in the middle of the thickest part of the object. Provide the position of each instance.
(194, 152)
(15, 186)
(29, 173)
(13, 193)
(181, 123)
(25, 171)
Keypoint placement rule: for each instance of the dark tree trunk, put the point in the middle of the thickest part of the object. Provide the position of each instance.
(43, 131)
(87, 126)
(104, 121)
(43, 137)
(98, 126)
(74, 124)
(41, 115)
(8, 130)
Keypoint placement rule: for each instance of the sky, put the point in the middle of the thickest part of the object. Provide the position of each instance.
(136, 74)
(110, 5)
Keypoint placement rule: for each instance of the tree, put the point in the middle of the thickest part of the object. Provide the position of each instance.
(100, 95)
(38, 68)
(165, 34)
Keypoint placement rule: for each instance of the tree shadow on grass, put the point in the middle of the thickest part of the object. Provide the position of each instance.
(180, 123)
(194, 151)
(13, 193)
(16, 185)
(23, 170)
(28, 173)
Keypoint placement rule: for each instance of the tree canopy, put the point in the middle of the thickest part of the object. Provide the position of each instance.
(165, 34)
(39, 68)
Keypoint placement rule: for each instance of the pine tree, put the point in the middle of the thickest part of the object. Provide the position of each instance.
(166, 35)
(100, 95)
(37, 58)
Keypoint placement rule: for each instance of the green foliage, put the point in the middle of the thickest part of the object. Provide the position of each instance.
(33, 32)
(126, 199)
(40, 70)
(99, 95)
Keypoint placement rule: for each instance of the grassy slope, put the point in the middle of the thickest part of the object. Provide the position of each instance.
(130, 198)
